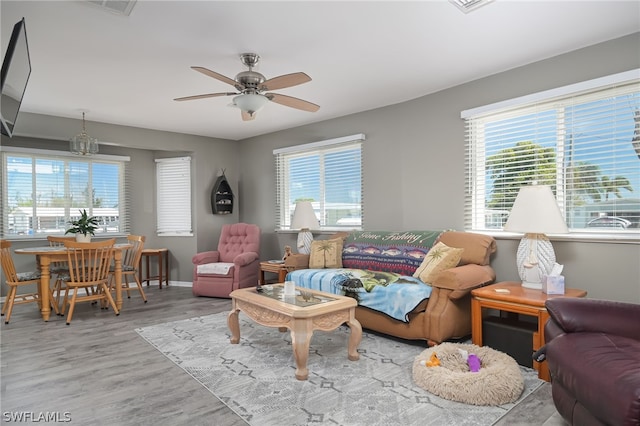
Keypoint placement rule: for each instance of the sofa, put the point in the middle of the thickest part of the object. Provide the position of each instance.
(407, 284)
(593, 351)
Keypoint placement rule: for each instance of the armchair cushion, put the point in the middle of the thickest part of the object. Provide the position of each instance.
(245, 258)
(597, 316)
(205, 257)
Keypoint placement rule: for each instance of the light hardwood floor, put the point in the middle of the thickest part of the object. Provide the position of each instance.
(98, 371)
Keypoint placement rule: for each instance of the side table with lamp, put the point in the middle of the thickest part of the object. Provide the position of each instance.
(535, 212)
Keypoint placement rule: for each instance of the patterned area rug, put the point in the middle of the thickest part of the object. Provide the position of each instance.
(255, 378)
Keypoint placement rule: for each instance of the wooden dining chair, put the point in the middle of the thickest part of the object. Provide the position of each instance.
(59, 268)
(15, 280)
(130, 264)
(89, 265)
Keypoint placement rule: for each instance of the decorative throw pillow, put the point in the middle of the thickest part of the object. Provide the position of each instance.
(439, 258)
(326, 254)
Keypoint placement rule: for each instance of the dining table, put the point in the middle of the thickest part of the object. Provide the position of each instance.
(48, 254)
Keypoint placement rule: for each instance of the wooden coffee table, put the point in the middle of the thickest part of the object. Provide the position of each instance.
(309, 310)
(512, 297)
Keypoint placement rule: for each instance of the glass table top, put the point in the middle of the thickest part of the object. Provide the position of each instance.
(302, 298)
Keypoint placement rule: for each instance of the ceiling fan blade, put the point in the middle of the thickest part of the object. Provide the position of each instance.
(284, 81)
(208, 95)
(248, 117)
(292, 102)
(220, 77)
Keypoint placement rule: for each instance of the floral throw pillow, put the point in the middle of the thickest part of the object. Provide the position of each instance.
(326, 254)
(439, 258)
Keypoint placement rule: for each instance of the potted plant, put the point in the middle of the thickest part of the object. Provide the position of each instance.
(84, 227)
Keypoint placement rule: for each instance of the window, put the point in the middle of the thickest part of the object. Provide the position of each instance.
(582, 140)
(327, 173)
(173, 179)
(43, 190)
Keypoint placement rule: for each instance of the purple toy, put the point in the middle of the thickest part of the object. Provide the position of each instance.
(474, 363)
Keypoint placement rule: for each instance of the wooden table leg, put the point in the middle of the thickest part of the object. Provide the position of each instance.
(148, 275)
(117, 256)
(538, 342)
(234, 325)
(159, 254)
(166, 266)
(476, 322)
(355, 337)
(45, 280)
(301, 333)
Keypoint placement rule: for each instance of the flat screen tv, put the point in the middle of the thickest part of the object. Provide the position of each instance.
(16, 68)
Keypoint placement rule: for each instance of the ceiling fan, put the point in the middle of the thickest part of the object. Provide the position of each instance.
(250, 85)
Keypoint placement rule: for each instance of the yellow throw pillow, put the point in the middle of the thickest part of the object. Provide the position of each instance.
(439, 258)
(326, 254)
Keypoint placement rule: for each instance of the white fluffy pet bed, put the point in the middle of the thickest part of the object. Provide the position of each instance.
(498, 382)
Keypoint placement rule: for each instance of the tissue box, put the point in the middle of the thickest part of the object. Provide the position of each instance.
(553, 284)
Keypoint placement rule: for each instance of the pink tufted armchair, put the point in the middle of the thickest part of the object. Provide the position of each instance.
(236, 263)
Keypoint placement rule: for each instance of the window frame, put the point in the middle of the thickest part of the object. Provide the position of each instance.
(476, 202)
(123, 217)
(285, 206)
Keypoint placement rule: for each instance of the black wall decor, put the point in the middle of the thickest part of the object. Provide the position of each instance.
(222, 196)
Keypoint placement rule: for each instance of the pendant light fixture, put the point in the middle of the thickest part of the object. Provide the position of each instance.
(82, 143)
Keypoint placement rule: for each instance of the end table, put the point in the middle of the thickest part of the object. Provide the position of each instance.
(510, 296)
(275, 268)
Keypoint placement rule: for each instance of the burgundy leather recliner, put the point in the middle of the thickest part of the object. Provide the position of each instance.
(593, 351)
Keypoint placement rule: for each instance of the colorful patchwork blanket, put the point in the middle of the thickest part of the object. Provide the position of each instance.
(387, 292)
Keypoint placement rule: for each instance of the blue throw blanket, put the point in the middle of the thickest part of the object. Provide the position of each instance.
(390, 293)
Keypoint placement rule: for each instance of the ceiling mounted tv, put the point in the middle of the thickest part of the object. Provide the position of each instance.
(16, 69)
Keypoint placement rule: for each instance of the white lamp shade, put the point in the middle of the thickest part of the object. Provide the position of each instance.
(250, 102)
(535, 211)
(303, 216)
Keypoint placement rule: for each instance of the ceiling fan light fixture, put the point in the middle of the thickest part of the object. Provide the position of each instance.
(250, 102)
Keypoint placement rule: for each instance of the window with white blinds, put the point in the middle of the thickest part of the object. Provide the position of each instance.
(173, 196)
(43, 190)
(582, 140)
(327, 173)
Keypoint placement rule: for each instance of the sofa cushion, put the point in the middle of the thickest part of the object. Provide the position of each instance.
(397, 252)
(477, 247)
(439, 258)
(326, 254)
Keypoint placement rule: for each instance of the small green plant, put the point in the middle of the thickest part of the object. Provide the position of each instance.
(85, 225)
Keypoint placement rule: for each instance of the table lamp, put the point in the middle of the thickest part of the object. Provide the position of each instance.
(535, 212)
(304, 219)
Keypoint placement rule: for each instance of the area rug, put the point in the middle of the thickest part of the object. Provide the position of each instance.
(255, 378)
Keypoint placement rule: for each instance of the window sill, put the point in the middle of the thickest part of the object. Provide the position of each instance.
(584, 237)
(317, 231)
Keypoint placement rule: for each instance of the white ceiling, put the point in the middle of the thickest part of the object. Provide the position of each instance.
(361, 55)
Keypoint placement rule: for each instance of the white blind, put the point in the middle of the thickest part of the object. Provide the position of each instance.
(173, 190)
(584, 144)
(43, 190)
(327, 173)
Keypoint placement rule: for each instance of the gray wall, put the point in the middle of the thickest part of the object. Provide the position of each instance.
(414, 166)
(413, 170)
